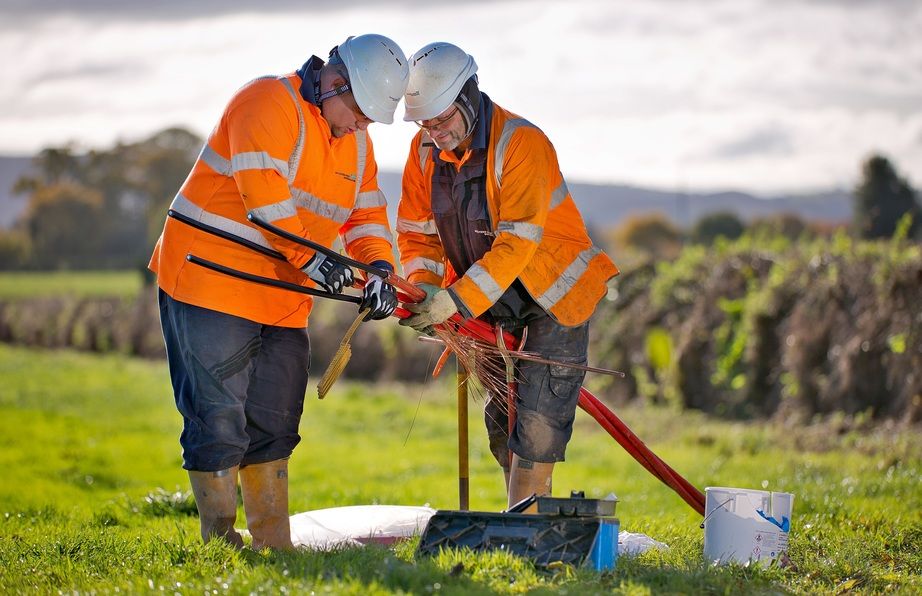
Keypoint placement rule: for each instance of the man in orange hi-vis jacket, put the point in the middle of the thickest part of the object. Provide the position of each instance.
(487, 227)
(294, 151)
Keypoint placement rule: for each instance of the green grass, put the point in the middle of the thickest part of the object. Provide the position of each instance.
(30, 284)
(93, 497)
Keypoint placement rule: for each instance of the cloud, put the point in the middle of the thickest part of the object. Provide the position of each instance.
(114, 71)
(658, 92)
(140, 9)
(766, 141)
(180, 10)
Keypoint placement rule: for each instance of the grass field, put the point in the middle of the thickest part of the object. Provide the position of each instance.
(91, 472)
(29, 284)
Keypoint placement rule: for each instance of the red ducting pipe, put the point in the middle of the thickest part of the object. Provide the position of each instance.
(605, 417)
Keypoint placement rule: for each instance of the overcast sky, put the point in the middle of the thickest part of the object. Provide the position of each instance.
(756, 95)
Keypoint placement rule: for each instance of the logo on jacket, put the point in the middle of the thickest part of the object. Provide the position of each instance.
(349, 177)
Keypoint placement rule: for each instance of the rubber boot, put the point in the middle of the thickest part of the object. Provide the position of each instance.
(527, 478)
(216, 500)
(265, 501)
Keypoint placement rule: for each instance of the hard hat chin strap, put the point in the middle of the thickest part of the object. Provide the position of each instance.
(468, 103)
(344, 88)
(334, 60)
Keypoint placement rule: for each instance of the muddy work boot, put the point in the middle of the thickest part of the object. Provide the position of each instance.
(529, 478)
(265, 501)
(216, 500)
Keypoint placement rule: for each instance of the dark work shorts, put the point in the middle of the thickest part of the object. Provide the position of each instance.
(239, 385)
(547, 396)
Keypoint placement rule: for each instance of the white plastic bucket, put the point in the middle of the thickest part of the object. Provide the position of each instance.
(742, 525)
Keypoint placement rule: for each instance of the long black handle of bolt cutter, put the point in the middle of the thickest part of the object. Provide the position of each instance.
(413, 294)
(199, 225)
(255, 219)
(268, 281)
(523, 504)
(278, 232)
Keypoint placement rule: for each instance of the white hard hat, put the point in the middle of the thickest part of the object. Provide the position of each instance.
(438, 71)
(378, 74)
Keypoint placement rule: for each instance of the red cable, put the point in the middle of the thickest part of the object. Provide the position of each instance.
(605, 417)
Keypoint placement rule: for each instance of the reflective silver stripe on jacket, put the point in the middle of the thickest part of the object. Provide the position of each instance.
(557, 195)
(420, 227)
(258, 160)
(183, 205)
(425, 148)
(528, 231)
(320, 207)
(275, 211)
(361, 151)
(295, 160)
(371, 198)
(364, 199)
(423, 264)
(560, 193)
(366, 230)
(483, 280)
(567, 279)
(508, 128)
(218, 163)
(251, 160)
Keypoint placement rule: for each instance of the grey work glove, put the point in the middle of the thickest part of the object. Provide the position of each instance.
(330, 275)
(378, 296)
(430, 291)
(433, 310)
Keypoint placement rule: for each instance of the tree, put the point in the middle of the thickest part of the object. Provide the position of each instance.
(881, 198)
(710, 227)
(164, 164)
(14, 250)
(789, 225)
(63, 223)
(652, 234)
(126, 188)
(53, 165)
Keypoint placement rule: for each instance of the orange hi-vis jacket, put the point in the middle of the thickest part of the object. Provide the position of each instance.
(540, 237)
(271, 155)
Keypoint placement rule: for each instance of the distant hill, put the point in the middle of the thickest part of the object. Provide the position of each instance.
(603, 206)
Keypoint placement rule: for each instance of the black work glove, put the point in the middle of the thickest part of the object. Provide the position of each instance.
(378, 295)
(330, 275)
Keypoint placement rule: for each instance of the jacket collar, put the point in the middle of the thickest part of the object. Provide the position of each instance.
(310, 80)
(481, 134)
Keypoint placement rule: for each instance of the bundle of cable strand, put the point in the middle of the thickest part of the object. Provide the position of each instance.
(477, 358)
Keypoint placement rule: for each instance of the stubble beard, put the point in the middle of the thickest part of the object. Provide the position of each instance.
(449, 144)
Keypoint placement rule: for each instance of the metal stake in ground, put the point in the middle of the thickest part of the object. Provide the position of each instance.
(464, 474)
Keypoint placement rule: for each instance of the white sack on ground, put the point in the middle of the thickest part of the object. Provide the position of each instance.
(360, 524)
(384, 524)
(630, 543)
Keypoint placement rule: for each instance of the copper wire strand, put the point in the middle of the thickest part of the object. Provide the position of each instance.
(340, 358)
(482, 364)
(419, 402)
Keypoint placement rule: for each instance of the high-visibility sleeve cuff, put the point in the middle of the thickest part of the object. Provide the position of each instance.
(307, 262)
(421, 276)
(462, 308)
(382, 264)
